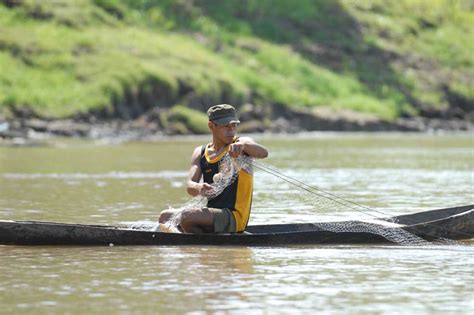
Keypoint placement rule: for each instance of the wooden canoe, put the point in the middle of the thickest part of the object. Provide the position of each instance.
(456, 223)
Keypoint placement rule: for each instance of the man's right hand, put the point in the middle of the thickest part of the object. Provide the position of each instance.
(205, 189)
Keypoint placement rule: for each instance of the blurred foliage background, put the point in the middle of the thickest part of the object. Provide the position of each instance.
(122, 58)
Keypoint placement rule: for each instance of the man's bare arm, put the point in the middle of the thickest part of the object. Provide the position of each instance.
(248, 146)
(194, 187)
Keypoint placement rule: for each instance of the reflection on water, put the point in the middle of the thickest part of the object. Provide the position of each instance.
(84, 278)
(87, 183)
(185, 279)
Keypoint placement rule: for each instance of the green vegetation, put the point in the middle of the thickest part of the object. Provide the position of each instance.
(184, 119)
(123, 57)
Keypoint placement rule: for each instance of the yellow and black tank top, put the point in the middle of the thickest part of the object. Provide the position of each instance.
(237, 197)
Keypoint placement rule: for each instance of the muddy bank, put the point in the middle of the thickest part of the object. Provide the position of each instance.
(27, 129)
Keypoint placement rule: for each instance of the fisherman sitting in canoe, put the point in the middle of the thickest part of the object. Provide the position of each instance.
(229, 211)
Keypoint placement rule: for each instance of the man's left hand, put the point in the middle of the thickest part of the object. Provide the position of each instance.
(236, 149)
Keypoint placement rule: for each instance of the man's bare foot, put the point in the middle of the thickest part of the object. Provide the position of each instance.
(168, 228)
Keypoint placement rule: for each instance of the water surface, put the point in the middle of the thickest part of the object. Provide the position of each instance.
(87, 182)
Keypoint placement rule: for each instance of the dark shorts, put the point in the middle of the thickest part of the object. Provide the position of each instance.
(224, 221)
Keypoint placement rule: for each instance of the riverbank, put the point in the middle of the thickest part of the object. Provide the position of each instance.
(367, 67)
(30, 130)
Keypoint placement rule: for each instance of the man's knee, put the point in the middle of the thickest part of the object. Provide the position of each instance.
(189, 216)
(195, 220)
(164, 216)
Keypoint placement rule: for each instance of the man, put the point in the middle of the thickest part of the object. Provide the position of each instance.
(229, 211)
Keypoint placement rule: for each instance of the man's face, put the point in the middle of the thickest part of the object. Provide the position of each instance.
(225, 133)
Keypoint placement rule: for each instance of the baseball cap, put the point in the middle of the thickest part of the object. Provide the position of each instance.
(223, 114)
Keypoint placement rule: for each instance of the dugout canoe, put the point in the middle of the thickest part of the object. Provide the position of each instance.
(456, 223)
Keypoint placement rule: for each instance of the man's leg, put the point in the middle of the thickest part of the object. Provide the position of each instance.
(224, 221)
(199, 220)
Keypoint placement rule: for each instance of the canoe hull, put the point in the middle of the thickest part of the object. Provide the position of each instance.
(44, 233)
(456, 225)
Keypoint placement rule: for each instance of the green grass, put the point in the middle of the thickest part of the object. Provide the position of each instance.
(194, 120)
(64, 58)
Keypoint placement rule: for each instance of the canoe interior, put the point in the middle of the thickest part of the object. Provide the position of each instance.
(416, 218)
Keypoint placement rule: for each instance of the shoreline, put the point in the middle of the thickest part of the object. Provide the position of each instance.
(34, 131)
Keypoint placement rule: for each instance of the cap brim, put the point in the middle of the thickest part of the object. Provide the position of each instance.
(226, 120)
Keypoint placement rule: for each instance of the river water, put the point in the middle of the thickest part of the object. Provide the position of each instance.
(97, 182)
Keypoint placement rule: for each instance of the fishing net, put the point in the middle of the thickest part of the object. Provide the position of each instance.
(375, 222)
(229, 168)
(392, 232)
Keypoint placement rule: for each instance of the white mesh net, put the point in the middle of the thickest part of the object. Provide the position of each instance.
(229, 169)
(326, 202)
(391, 232)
